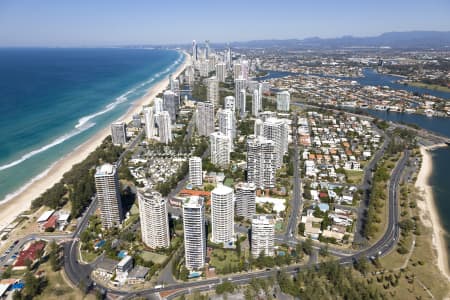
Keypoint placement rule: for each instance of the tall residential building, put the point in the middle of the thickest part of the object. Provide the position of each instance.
(220, 145)
(237, 70)
(171, 104)
(256, 103)
(261, 162)
(212, 90)
(205, 118)
(227, 123)
(164, 127)
(228, 58)
(203, 68)
(137, 121)
(154, 219)
(189, 75)
(222, 215)
(194, 51)
(207, 49)
(260, 92)
(108, 194)
(258, 131)
(158, 105)
(195, 171)
(263, 235)
(221, 72)
(230, 103)
(243, 103)
(283, 101)
(277, 130)
(119, 133)
(245, 68)
(194, 233)
(239, 85)
(245, 199)
(149, 122)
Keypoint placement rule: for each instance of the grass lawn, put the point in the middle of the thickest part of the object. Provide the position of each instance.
(154, 257)
(354, 176)
(88, 256)
(222, 259)
(430, 86)
(229, 182)
(58, 288)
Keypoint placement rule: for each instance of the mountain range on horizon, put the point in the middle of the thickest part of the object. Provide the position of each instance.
(395, 40)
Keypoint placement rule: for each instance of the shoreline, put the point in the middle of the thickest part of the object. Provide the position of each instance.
(428, 208)
(21, 202)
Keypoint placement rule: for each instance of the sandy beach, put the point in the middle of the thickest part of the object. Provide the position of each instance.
(429, 215)
(21, 202)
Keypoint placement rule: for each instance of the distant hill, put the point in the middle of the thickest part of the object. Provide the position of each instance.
(395, 40)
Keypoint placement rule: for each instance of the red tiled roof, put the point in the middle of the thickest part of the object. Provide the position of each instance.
(51, 223)
(30, 253)
(195, 193)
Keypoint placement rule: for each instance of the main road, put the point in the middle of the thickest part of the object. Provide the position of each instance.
(296, 203)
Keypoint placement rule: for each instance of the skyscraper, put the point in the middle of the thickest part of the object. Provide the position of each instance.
(149, 122)
(175, 87)
(194, 233)
(109, 202)
(222, 215)
(212, 90)
(220, 145)
(118, 133)
(261, 162)
(230, 103)
(237, 70)
(283, 101)
(256, 103)
(164, 127)
(194, 51)
(227, 123)
(195, 171)
(245, 199)
(239, 85)
(207, 49)
(158, 105)
(263, 235)
(245, 69)
(277, 130)
(170, 104)
(154, 219)
(221, 72)
(228, 58)
(258, 131)
(243, 103)
(205, 118)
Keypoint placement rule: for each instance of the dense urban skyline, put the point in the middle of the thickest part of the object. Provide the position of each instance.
(99, 23)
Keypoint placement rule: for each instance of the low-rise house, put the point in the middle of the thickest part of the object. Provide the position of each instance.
(106, 268)
(44, 218)
(137, 275)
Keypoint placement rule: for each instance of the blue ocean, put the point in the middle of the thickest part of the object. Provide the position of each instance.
(53, 100)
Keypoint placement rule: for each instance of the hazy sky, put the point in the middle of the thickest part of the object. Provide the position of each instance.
(109, 22)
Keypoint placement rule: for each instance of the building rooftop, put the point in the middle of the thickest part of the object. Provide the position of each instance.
(222, 190)
(105, 169)
(138, 272)
(192, 201)
(124, 261)
(44, 217)
(107, 264)
(263, 219)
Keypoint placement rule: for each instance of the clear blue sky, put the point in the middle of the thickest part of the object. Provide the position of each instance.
(109, 22)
